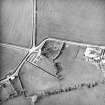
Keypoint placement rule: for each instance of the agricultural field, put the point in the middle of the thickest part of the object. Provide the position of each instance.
(52, 52)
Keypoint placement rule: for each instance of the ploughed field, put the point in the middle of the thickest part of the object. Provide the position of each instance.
(50, 67)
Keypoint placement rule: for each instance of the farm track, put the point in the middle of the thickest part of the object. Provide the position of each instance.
(36, 49)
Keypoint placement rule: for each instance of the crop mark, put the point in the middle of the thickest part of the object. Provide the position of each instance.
(58, 91)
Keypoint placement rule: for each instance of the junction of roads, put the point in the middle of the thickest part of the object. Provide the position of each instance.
(54, 66)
